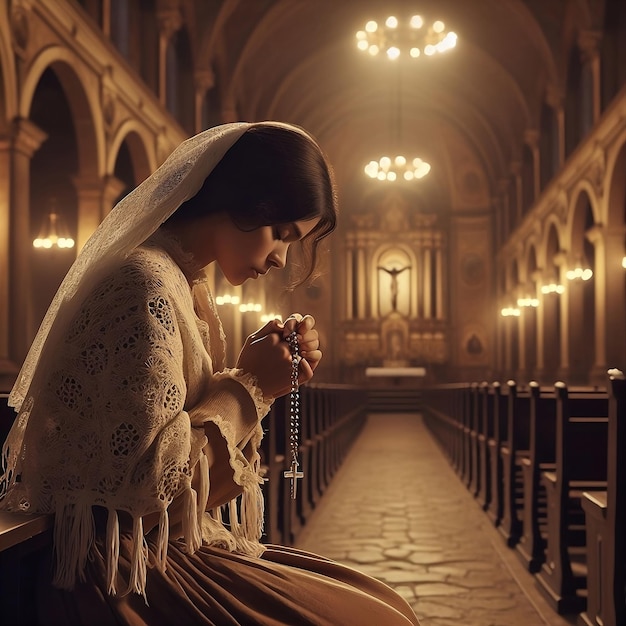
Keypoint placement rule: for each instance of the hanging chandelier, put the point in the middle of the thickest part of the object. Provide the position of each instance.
(414, 37)
(398, 168)
(53, 234)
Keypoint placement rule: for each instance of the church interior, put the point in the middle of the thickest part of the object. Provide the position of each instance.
(508, 240)
(478, 146)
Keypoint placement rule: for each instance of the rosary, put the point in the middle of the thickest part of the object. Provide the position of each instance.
(294, 414)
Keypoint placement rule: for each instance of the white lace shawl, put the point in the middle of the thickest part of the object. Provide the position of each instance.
(161, 357)
(119, 421)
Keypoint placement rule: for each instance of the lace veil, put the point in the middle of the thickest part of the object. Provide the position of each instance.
(132, 221)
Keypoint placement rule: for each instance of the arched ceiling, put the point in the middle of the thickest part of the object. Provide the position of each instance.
(296, 60)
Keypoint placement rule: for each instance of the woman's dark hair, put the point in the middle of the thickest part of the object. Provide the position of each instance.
(271, 175)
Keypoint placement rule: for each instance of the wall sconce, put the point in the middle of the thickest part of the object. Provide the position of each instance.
(53, 234)
(267, 317)
(227, 299)
(510, 311)
(580, 273)
(250, 307)
(527, 301)
(553, 288)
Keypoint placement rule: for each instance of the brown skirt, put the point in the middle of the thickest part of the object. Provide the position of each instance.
(216, 587)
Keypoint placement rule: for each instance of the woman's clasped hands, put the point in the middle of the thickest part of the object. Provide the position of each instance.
(267, 355)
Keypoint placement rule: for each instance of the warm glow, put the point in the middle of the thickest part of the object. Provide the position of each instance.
(398, 38)
(552, 288)
(578, 273)
(268, 317)
(397, 168)
(624, 262)
(527, 301)
(250, 307)
(510, 311)
(49, 236)
(227, 299)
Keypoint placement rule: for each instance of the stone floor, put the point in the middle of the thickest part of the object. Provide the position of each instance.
(397, 510)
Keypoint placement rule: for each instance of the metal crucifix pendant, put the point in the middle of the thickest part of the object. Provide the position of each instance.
(294, 474)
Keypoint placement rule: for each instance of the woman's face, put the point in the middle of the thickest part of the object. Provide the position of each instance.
(248, 254)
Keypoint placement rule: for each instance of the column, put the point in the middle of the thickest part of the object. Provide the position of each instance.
(589, 44)
(560, 261)
(427, 280)
(5, 246)
(522, 364)
(539, 325)
(89, 193)
(439, 278)
(170, 21)
(361, 278)
(597, 236)
(531, 137)
(26, 141)
(113, 187)
(370, 291)
(555, 99)
(203, 81)
(349, 265)
(516, 173)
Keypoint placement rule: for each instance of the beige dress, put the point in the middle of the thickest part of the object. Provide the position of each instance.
(148, 440)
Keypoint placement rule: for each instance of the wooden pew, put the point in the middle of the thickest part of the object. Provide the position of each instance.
(485, 434)
(605, 522)
(22, 540)
(443, 411)
(581, 447)
(7, 416)
(496, 503)
(541, 458)
(272, 466)
(515, 443)
(475, 401)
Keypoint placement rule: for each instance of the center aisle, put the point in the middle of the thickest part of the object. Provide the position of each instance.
(397, 511)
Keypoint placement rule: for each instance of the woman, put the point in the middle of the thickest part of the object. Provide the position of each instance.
(135, 434)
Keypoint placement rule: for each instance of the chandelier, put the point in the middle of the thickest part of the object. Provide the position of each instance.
(414, 37)
(398, 168)
(53, 234)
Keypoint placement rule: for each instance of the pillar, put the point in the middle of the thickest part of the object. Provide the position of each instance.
(203, 81)
(427, 298)
(170, 21)
(596, 235)
(349, 266)
(26, 141)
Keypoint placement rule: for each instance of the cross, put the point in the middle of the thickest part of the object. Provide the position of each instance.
(294, 474)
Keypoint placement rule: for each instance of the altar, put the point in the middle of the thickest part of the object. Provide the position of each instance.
(395, 372)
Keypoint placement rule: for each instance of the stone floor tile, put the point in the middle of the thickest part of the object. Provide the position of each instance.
(397, 511)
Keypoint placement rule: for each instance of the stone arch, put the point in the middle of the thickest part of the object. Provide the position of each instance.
(83, 102)
(130, 159)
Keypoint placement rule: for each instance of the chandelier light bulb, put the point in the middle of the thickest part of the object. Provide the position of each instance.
(413, 38)
(52, 234)
(391, 22)
(416, 21)
(398, 168)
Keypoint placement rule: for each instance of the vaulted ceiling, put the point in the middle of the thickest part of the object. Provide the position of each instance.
(297, 61)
